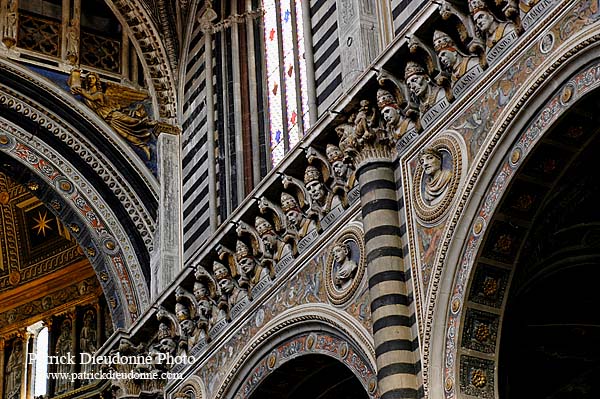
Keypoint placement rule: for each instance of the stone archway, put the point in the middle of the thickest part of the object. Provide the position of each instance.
(311, 376)
(453, 369)
(499, 238)
(92, 185)
(549, 332)
(305, 330)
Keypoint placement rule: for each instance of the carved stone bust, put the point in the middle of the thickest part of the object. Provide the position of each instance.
(423, 90)
(395, 122)
(436, 178)
(452, 59)
(345, 267)
(491, 28)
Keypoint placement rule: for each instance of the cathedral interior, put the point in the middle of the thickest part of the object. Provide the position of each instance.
(317, 199)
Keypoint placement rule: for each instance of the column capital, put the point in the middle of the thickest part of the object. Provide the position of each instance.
(362, 142)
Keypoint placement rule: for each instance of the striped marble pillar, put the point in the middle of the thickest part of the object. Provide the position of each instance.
(393, 313)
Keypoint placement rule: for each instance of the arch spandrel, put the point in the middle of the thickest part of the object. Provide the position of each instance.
(531, 111)
(108, 192)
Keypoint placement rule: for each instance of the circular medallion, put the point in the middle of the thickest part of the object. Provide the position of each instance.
(437, 177)
(567, 93)
(4, 198)
(310, 341)
(455, 305)
(64, 185)
(515, 156)
(109, 245)
(272, 360)
(343, 351)
(372, 385)
(345, 266)
(478, 226)
(449, 384)
(7, 142)
(14, 278)
(547, 43)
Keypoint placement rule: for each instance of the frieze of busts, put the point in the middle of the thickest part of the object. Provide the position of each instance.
(205, 292)
(184, 316)
(454, 61)
(424, 92)
(166, 339)
(231, 293)
(250, 272)
(492, 29)
(319, 198)
(343, 174)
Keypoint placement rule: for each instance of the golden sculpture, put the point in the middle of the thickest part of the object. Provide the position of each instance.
(114, 106)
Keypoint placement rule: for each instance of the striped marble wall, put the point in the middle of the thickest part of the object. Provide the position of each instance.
(195, 148)
(328, 70)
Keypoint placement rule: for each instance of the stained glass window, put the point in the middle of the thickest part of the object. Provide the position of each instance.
(286, 75)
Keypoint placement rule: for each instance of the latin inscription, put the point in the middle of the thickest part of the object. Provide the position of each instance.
(238, 307)
(331, 217)
(539, 10)
(305, 242)
(435, 112)
(501, 47)
(465, 81)
(406, 139)
(283, 263)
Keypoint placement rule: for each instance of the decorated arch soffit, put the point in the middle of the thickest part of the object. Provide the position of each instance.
(499, 131)
(158, 51)
(95, 185)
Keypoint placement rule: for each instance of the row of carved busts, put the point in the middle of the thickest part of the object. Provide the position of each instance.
(306, 207)
(441, 70)
(263, 248)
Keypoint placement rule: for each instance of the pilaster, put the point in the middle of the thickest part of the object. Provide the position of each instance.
(359, 37)
(166, 261)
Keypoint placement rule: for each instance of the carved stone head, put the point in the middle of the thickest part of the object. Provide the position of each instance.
(314, 184)
(340, 252)
(290, 207)
(266, 234)
(223, 278)
(416, 78)
(244, 258)
(431, 160)
(336, 160)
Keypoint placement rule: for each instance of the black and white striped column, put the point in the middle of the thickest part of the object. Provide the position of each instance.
(393, 314)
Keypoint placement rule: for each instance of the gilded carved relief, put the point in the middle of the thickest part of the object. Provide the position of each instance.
(119, 106)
